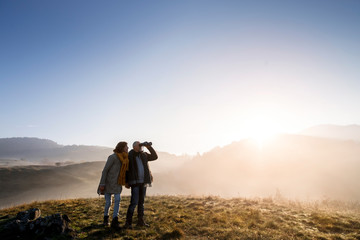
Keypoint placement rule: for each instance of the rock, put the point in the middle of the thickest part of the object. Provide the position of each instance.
(5, 217)
(31, 214)
(36, 213)
(29, 225)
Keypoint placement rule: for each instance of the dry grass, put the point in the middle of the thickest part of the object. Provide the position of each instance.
(175, 217)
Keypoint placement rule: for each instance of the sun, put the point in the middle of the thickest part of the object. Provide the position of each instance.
(262, 129)
(262, 134)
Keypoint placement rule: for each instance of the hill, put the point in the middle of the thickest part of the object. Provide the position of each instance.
(21, 184)
(180, 217)
(299, 167)
(347, 132)
(15, 145)
(35, 151)
(43, 151)
(30, 183)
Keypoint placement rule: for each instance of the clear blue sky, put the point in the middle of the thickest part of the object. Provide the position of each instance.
(188, 75)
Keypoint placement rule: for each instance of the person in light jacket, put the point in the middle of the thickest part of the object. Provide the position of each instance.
(112, 179)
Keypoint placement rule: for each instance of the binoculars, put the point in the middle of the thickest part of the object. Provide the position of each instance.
(145, 144)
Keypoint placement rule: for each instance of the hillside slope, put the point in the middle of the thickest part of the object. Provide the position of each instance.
(44, 151)
(35, 151)
(209, 218)
(301, 167)
(34, 183)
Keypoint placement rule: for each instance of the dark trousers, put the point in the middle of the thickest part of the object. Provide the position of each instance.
(138, 193)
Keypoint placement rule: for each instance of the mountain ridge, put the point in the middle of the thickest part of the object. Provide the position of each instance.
(298, 166)
(342, 132)
(31, 150)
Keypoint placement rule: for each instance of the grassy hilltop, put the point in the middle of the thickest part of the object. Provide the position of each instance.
(175, 217)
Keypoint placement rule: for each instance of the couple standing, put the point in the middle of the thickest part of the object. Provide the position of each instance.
(132, 171)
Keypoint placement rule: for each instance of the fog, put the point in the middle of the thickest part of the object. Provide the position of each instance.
(288, 166)
(291, 166)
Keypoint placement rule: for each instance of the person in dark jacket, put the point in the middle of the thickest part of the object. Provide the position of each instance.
(138, 178)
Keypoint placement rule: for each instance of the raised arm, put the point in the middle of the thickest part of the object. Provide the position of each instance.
(152, 156)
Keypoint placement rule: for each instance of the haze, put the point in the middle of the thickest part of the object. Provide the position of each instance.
(187, 75)
(200, 79)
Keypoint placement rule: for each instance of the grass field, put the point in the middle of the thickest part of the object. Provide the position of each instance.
(180, 217)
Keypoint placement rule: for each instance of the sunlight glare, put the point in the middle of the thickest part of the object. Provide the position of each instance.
(261, 129)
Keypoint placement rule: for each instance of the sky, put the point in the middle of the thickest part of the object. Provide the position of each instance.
(186, 75)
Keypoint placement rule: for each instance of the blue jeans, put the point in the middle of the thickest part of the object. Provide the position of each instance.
(108, 204)
(138, 193)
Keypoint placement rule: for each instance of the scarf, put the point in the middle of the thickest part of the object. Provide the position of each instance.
(124, 167)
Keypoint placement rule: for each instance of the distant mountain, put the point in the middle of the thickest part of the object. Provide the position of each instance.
(35, 151)
(43, 151)
(294, 166)
(348, 132)
(15, 145)
(297, 166)
(30, 151)
(167, 162)
(22, 184)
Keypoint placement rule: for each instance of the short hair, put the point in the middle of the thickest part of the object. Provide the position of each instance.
(120, 147)
(135, 143)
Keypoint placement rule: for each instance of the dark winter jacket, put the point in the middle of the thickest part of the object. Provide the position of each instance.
(132, 173)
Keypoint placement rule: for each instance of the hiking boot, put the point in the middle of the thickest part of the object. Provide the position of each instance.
(142, 223)
(115, 223)
(127, 225)
(106, 221)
